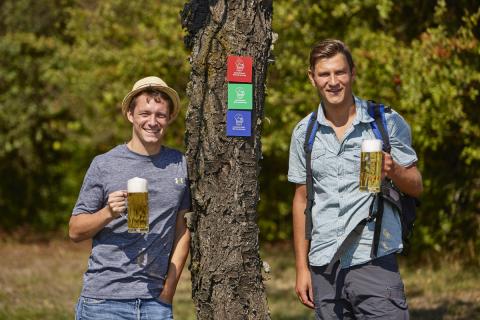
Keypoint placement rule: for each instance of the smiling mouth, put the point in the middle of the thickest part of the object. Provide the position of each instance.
(152, 131)
(334, 92)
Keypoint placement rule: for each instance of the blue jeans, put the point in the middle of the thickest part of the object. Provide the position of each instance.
(135, 309)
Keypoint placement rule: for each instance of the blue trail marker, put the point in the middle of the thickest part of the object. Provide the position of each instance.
(239, 123)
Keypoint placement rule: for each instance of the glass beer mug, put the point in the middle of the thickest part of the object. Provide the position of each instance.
(371, 165)
(137, 205)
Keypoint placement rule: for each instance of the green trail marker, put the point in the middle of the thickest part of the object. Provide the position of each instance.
(240, 96)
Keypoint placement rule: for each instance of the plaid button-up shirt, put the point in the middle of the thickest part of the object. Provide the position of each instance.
(339, 205)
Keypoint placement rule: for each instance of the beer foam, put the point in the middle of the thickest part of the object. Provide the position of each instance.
(137, 185)
(373, 145)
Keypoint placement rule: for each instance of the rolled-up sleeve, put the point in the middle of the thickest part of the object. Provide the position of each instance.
(401, 140)
(296, 161)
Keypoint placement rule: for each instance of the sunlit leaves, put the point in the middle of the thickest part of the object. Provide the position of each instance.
(423, 59)
(65, 66)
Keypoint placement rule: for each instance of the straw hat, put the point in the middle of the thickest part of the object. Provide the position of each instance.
(152, 83)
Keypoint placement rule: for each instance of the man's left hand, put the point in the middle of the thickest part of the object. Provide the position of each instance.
(166, 296)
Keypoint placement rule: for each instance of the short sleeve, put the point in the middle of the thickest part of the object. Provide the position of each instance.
(296, 161)
(401, 140)
(91, 197)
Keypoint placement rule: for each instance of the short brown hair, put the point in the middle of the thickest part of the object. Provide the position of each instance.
(328, 48)
(156, 95)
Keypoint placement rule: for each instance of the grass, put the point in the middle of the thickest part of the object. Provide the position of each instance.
(43, 281)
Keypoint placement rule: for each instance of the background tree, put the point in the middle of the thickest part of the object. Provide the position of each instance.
(224, 171)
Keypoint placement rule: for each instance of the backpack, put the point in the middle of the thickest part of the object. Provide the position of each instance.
(405, 204)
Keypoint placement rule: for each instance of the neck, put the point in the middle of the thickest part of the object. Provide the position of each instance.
(144, 149)
(339, 115)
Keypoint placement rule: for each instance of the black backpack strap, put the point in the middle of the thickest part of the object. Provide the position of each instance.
(392, 195)
(377, 205)
(308, 146)
(379, 127)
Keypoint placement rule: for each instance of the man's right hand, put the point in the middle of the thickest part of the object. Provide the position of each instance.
(117, 203)
(303, 287)
(86, 225)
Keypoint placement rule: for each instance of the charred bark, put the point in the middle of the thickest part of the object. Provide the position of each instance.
(224, 171)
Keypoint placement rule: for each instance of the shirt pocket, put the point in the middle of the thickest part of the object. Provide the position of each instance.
(352, 159)
(319, 169)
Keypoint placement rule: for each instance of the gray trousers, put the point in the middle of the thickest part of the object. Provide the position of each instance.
(373, 290)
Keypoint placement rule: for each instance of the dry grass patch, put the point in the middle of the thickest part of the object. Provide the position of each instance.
(43, 281)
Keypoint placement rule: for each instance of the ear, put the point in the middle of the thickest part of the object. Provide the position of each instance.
(130, 116)
(354, 73)
(310, 76)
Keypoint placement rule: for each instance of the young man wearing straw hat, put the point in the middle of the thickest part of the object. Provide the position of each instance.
(134, 275)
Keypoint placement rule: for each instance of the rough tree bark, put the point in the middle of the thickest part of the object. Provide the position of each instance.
(225, 264)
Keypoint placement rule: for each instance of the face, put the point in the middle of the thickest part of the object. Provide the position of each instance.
(149, 120)
(333, 79)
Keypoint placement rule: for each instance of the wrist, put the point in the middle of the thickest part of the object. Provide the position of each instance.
(109, 214)
(167, 292)
(394, 171)
(302, 266)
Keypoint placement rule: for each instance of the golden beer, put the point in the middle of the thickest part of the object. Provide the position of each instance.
(137, 206)
(138, 212)
(371, 159)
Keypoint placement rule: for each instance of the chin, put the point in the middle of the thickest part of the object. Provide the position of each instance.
(151, 140)
(336, 101)
(154, 141)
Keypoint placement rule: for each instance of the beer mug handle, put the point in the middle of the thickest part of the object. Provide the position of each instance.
(124, 213)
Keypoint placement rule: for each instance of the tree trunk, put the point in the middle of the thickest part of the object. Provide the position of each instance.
(225, 264)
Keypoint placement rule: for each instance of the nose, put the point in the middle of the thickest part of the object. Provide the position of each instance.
(152, 121)
(333, 79)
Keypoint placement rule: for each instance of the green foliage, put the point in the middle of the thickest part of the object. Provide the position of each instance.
(31, 127)
(421, 58)
(65, 66)
(64, 69)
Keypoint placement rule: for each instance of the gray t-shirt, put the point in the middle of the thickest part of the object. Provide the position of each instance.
(126, 265)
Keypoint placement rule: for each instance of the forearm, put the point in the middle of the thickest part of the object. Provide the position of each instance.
(177, 262)
(301, 245)
(85, 225)
(178, 257)
(303, 283)
(408, 180)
